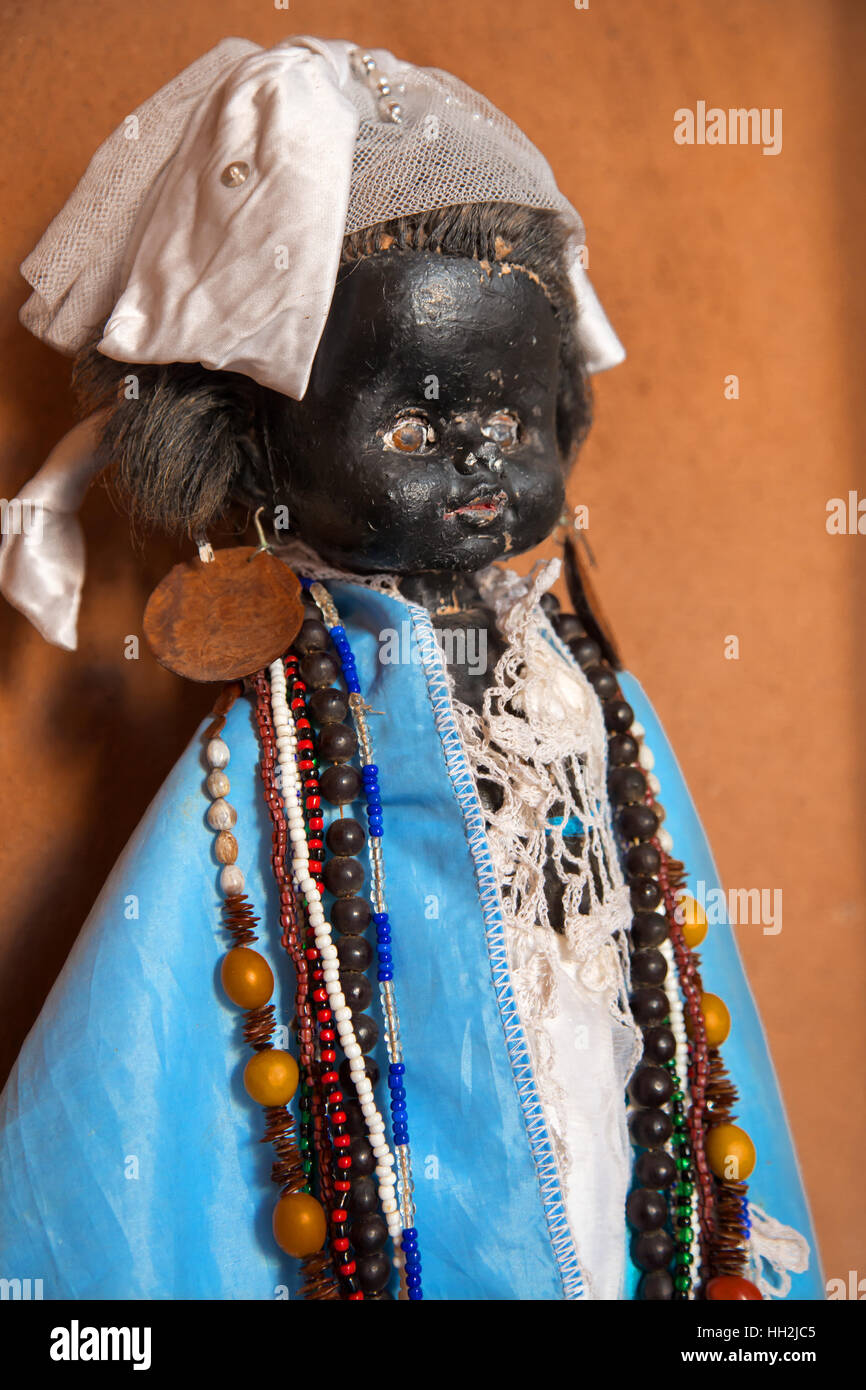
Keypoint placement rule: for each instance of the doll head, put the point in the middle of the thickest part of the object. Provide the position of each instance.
(447, 398)
(326, 282)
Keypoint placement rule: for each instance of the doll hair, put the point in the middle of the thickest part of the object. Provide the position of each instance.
(185, 444)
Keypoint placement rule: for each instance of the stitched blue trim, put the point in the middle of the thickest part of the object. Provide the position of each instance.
(518, 1050)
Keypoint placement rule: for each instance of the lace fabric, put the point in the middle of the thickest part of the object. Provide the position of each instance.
(302, 558)
(540, 739)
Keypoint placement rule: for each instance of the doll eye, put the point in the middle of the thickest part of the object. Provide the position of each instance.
(410, 434)
(503, 428)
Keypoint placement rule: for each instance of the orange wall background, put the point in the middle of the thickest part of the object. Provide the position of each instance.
(706, 515)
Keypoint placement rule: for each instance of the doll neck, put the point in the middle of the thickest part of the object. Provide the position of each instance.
(458, 612)
(456, 608)
(444, 593)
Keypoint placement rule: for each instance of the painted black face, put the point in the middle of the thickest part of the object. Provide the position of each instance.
(426, 439)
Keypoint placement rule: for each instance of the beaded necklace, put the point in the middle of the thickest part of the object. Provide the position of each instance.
(271, 1075)
(688, 1210)
(355, 1032)
(342, 1142)
(710, 1157)
(400, 1216)
(274, 733)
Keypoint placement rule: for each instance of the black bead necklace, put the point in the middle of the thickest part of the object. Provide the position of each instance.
(660, 1202)
(342, 875)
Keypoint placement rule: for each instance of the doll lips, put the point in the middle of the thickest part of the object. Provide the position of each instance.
(482, 510)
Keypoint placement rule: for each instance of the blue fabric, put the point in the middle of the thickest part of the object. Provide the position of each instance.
(129, 1152)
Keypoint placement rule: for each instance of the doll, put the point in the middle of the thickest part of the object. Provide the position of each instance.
(419, 891)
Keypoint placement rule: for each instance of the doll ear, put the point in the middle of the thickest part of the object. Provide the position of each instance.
(254, 483)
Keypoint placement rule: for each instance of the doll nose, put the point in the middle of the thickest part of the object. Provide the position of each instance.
(488, 455)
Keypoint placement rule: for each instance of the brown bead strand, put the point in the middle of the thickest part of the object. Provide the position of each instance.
(288, 1171)
(319, 1269)
(290, 938)
(240, 920)
(723, 1233)
(728, 1237)
(231, 691)
(320, 1282)
(343, 1172)
(670, 878)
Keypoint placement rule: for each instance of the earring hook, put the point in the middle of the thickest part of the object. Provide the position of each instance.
(263, 540)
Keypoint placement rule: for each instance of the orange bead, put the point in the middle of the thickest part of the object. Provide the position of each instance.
(727, 1287)
(246, 978)
(271, 1077)
(300, 1226)
(693, 920)
(730, 1152)
(717, 1020)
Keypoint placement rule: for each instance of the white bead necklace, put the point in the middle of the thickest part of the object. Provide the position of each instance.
(291, 791)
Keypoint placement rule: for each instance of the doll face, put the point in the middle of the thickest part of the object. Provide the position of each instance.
(426, 439)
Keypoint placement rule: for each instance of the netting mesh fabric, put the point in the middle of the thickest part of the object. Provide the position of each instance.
(452, 146)
(75, 270)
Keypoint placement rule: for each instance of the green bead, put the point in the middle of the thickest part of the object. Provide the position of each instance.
(684, 1163)
(684, 1258)
(684, 1213)
(679, 1121)
(684, 1189)
(683, 1235)
(308, 1166)
(304, 1145)
(682, 1282)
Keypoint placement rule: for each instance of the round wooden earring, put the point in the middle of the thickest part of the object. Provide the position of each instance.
(224, 614)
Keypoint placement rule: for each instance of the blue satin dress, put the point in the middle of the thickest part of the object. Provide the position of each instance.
(130, 1154)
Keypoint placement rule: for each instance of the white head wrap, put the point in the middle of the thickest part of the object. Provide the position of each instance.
(208, 228)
